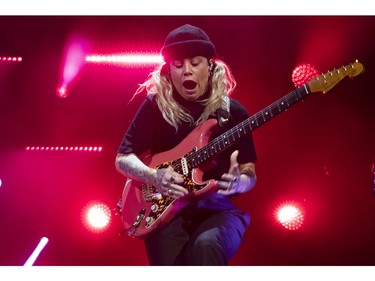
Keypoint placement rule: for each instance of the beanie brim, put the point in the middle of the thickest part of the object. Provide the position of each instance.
(187, 41)
(188, 49)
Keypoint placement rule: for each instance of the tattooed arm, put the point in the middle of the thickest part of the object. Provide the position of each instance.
(131, 166)
(163, 179)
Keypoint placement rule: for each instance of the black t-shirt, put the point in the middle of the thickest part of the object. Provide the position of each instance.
(149, 132)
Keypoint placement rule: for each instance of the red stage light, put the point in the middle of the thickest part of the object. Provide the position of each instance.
(303, 74)
(65, 148)
(290, 216)
(11, 59)
(97, 217)
(127, 59)
(74, 58)
(62, 92)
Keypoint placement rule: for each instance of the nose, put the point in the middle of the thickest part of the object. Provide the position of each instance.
(187, 69)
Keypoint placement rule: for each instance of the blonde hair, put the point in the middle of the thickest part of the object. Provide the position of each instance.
(222, 85)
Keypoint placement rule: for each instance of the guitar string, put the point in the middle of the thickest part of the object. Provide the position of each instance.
(248, 123)
(252, 122)
(231, 133)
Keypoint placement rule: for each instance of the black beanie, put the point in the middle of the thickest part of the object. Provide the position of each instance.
(187, 41)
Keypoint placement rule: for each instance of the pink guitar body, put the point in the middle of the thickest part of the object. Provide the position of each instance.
(144, 209)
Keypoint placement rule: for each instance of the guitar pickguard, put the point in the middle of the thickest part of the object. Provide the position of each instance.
(159, 202)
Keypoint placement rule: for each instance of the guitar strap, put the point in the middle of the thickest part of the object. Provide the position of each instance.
(223, 112)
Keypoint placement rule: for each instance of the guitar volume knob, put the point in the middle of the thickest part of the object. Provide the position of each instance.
(154, 208)
(149, 220)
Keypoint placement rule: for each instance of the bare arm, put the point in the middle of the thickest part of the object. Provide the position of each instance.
(239, 179)
(248, 177)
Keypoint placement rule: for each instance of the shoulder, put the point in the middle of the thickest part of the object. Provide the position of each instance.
(148, 107)
(237, 107)
(151, 99)
(149, 102)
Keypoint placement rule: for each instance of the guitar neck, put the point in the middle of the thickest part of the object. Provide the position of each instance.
(225, 140)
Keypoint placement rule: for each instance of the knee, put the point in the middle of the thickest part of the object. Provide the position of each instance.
(207, 242)
(207, 250)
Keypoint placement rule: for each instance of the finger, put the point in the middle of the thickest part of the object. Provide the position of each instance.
(179, 189)
(173, 193)
(175, 188)
(225, 191)
(230, 177)
(227, 177)
(176, 193)
(234, 166)
(224, 185)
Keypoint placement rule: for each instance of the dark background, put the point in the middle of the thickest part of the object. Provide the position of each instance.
(319, 153)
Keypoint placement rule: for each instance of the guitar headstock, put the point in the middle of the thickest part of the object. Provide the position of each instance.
(327, 81)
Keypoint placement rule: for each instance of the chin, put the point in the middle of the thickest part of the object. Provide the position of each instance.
(192, 98)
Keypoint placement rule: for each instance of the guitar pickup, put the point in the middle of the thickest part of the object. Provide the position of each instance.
(184, 165)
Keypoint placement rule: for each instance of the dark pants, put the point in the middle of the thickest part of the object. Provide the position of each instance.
(199, 236)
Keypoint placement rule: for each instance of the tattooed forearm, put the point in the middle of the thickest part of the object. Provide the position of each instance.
(131, 166)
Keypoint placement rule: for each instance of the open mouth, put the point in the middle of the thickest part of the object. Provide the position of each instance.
(189, 84)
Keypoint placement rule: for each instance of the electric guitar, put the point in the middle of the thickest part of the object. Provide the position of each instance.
(144, 210)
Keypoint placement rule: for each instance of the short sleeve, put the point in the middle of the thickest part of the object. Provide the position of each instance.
(140, 134)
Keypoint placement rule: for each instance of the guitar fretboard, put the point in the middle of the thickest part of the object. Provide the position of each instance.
(225, 140)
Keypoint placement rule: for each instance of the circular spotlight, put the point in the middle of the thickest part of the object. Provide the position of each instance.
(303, 73)
(290, 216)
(97, 217)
